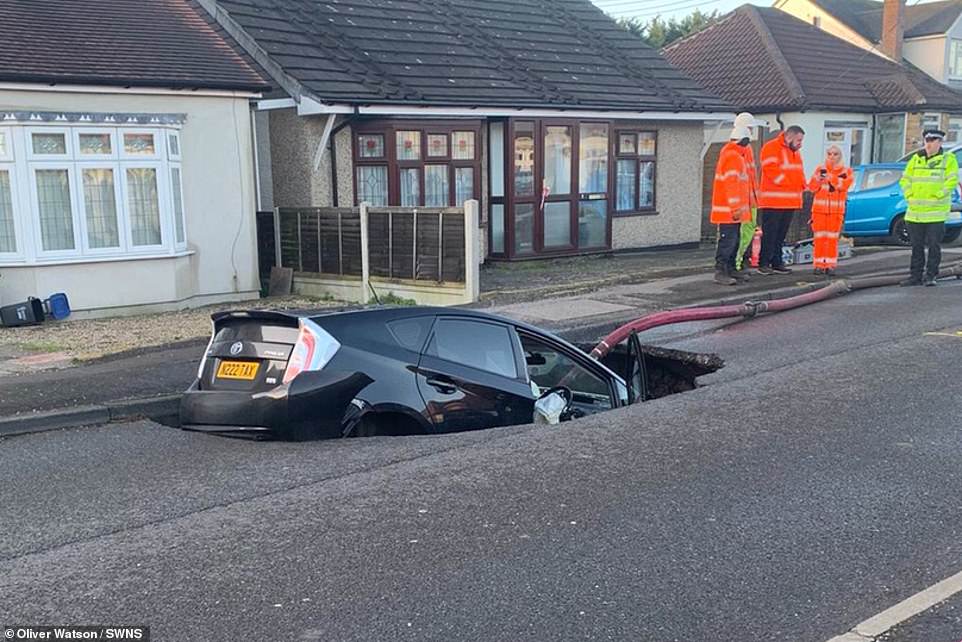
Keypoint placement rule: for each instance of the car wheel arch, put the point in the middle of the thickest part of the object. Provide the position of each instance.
(895, 233)
(391, 420)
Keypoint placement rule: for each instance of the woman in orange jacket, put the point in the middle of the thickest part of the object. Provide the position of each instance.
(830, 184)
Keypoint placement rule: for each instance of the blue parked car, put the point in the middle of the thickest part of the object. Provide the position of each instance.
(876, 206)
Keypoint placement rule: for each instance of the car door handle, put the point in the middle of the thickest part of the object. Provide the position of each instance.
(443, 386)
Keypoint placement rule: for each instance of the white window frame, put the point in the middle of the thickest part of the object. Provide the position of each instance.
(122, 221)
(180, 245)
(954, 44)
(163, 204)
(11, 170)
(83, 158)
(7, 134)
(931, 116)
(35, 208)
(175, 135)
(66, 157)
(160, 144)
(954, 120)
(23, 165)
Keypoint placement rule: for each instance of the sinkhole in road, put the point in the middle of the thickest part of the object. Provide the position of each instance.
(667, 371)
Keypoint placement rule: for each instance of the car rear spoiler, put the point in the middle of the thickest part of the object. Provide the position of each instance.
(278, 317)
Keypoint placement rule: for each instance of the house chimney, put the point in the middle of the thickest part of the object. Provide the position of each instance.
(893, 28)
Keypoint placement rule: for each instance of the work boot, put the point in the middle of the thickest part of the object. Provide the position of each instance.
(781, 269)
(910, 282)
(722, 278)
(741, 275)
(929, 282)
(830, 272)
(767, 271)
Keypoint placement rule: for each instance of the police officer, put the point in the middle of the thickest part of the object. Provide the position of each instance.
(927, 183)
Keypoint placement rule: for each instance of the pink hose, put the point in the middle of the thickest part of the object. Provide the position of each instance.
(748, 309)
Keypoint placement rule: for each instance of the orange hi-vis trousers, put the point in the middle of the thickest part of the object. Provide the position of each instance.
(826, 229)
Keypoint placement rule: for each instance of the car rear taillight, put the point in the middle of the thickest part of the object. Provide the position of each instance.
(313, 350)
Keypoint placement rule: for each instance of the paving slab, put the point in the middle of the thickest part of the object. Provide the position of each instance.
(563, 309)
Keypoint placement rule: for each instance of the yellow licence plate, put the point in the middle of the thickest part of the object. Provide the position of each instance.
(245, 370)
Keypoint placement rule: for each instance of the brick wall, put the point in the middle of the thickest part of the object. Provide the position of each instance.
(913, 132)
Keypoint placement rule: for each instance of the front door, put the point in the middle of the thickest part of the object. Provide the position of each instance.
(559, 187)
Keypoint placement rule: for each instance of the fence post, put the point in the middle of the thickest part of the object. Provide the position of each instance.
(414, 248)
(365, 257)
(472, 271)
(277, 237)
(340, 245)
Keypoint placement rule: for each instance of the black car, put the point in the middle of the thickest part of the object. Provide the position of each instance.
(389, 371)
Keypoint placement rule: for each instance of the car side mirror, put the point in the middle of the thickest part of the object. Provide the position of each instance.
(552, 405)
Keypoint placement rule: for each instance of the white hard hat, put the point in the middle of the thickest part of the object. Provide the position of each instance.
(743, 124)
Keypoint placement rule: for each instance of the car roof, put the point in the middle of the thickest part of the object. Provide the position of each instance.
(393, 313)
(376, 314)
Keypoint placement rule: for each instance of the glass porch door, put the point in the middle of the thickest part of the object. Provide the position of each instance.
(556, 192)
(559, 187)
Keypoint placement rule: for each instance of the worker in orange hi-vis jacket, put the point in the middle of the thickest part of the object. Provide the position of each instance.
(731, 203)
(779, 195)
(830, 184)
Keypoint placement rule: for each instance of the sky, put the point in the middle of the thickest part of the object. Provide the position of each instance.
(647, 9)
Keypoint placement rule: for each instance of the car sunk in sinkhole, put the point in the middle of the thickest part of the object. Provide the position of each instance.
(410, 370)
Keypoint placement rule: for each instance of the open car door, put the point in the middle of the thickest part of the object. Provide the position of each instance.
(636, 377)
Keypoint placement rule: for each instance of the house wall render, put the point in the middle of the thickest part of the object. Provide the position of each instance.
(219, 202)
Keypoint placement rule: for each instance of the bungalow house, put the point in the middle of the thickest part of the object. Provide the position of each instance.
(786, 70)
(573, 135)
(126, 147)
(928, 36)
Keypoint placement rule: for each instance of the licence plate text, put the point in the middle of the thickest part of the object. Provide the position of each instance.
(245, 370)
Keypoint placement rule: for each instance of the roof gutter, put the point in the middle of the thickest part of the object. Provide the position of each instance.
(110, 89)
(308, 106)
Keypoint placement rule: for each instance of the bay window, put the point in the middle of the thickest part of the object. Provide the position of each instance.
(8, 233)
(84, 191)
(416, 164)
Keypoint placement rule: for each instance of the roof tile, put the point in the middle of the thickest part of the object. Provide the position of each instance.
(804, 68)
(519, 53)
(160, 43)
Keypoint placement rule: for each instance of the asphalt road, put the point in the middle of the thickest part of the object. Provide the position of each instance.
(810, 484)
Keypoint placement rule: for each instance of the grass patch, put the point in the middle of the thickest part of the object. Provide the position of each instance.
(42, 346)
(392, 299)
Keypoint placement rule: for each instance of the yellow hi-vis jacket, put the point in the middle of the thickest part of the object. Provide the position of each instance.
(927, 183)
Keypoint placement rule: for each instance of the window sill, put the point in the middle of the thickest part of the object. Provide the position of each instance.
(635, 213)
(19, 263)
